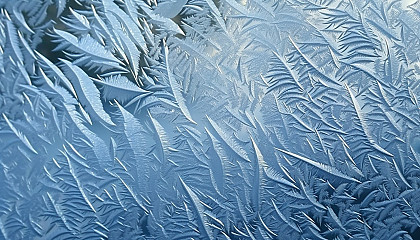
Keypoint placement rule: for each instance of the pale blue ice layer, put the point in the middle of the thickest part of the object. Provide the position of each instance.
(209, 119)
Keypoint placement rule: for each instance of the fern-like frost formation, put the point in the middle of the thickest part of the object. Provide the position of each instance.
(210, 119)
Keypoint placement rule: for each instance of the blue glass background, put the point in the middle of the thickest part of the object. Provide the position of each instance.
(209, 119)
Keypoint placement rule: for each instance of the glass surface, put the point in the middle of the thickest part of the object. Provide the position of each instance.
(209, 119)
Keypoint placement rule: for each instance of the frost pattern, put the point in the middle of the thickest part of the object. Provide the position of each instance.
(209, 119)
